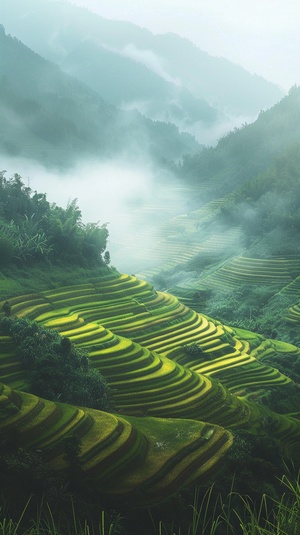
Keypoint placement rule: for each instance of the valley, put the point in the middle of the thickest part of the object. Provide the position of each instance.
(149, 283)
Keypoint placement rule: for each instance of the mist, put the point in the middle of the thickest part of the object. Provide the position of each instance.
(151, 60)
(116, 178)
(133, 198)
(261, 36)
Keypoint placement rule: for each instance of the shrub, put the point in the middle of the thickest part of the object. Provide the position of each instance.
(56, 369)
(6, 251)
(194, 351)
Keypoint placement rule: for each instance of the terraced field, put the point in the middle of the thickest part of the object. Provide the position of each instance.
(144, 459)
(181, 239)
(179, 381)
(278, 271)
(164, 240)
(294, 315)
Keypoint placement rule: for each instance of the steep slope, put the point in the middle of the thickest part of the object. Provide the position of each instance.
(243, 191)
(51, 117)
(102, 68)
(160, 358)
(227, 85)
(234, 254)
(199, 91)
(244, 153)
(138, 460)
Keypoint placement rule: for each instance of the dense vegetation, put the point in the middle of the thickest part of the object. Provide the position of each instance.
(166, 381)
(141, 397)
(32, 230)
(267, 212)
(236, 253)
(245, 152)
(206, 512)
(268, 207)
(50, 358)
(56, 369)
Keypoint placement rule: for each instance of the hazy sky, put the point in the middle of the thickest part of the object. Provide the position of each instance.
(261, 35)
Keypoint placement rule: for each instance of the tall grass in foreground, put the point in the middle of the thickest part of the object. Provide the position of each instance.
(209, 515)
(46, 524)
(240, 515)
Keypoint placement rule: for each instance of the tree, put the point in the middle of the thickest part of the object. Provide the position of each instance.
(31, 229)
(56, 368)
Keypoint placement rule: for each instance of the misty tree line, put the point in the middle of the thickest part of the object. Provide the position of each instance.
(32, 229)
(268, 207)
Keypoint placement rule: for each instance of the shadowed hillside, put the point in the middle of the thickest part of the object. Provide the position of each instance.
(234, 254)
(52, 118)
(160, 359)
(116, 395)
(199, 93)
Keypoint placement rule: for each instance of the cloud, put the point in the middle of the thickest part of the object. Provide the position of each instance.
(210, 135)
(150, 60)
(134, 198)
(56, 45)
(145, 56)
(262, 36)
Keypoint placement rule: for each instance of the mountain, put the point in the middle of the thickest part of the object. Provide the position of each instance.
(164, 76)
(102, 67)
(226, 85)
(220, 179)
(48, 116)
(185, 393)
(234, 250)
(245, 152)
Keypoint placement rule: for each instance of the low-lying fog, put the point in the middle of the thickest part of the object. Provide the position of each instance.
(134, 198)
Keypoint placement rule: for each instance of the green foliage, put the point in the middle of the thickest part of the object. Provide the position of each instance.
(267, 516)
(6, 308)
(282, 400)
(6, 250)
(17, 280)
(32, 230)
(57, 370)
(34, 500)
(245, 152)
(255, 460)
(23, 473)
(269, 205)
(242, 307)
(206, 512)
(107, 258)
(194, 351)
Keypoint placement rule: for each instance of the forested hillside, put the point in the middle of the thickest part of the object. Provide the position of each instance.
(236, 247)
(268, 207)
(168, 399)
(164, 402)
(121, 396)
(34, 231)
(245, 152)
(50, 117)
(199, 93)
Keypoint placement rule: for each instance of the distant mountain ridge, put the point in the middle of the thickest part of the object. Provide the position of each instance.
(165, 76)
(50, 117)
(247, 151)
(236, 248)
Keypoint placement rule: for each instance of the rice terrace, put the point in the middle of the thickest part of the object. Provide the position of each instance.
(149, 268)
(181, 386)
